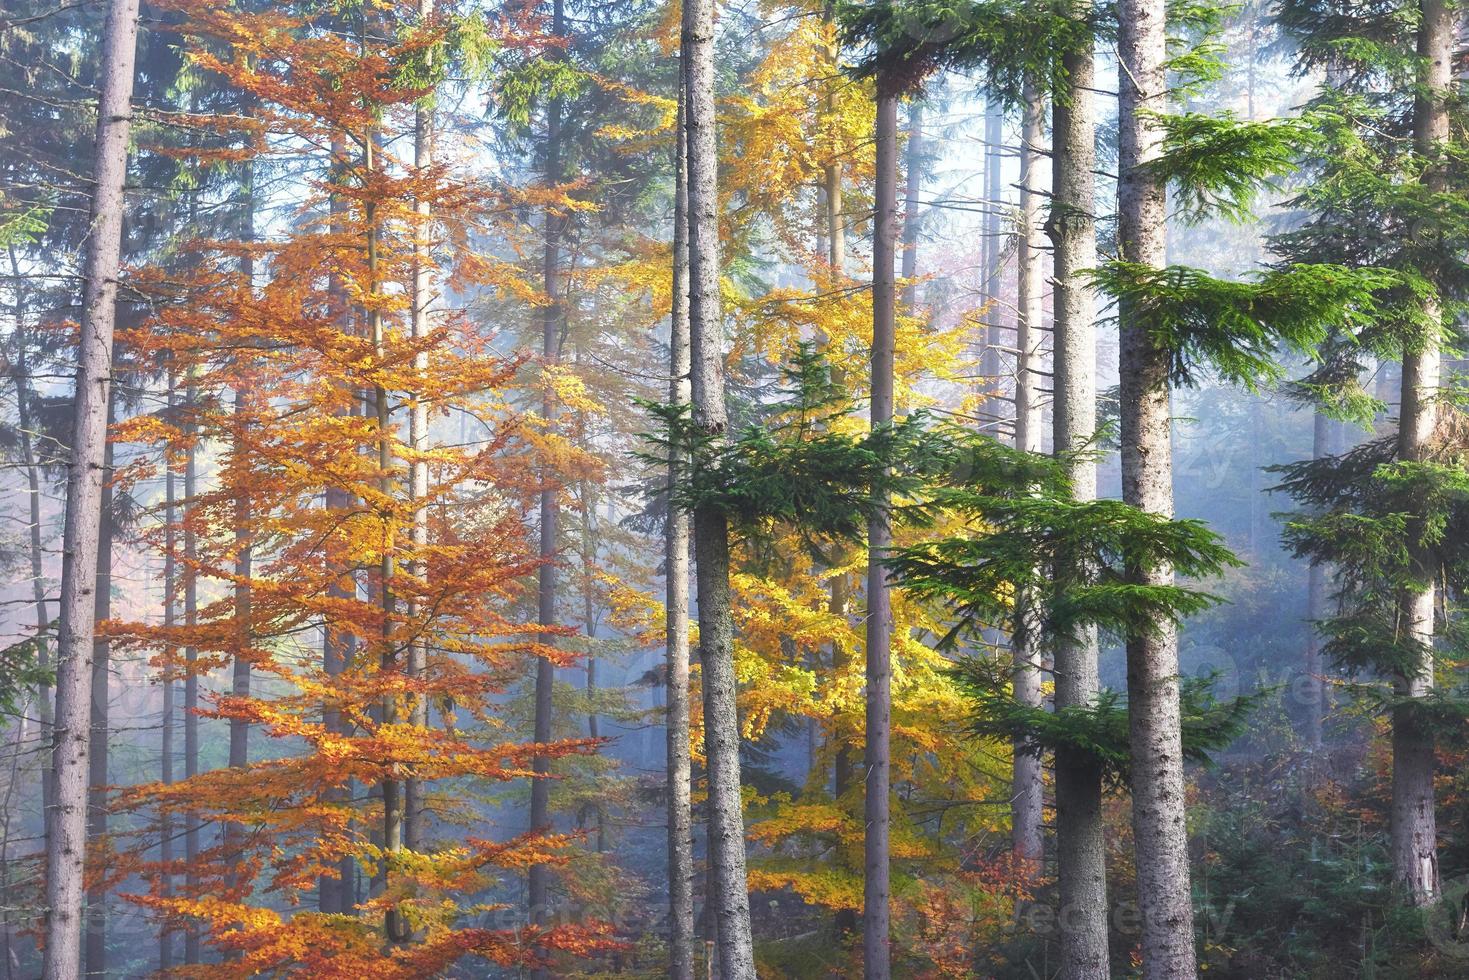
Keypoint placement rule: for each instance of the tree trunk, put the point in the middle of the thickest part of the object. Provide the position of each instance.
(191, 670)
(1413, 824)
(239, 728)
(37, 555)
(676, 597)
(1027, 822)
(1081, 854)
(66, 844)
(339, 646)
(1161, 838)
(540, 790)
(711, 530)
(875, 892)
(98, 763)
(423, 159)
(394, 924)
(170, 620)
(993, 411)
(841, 585)
(913, 165)
(1312, 690)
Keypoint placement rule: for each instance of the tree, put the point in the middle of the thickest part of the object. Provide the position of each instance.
(1081, 861)
(876, 757)
(1370, 176)
(676, 574)
(65, 840)
(1159, 833)
(731, 898)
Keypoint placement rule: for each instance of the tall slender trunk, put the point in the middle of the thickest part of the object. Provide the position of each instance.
(391, 785)
(676, 594)
(338, 647)
(191, 668)
(912, 189)
(170, 620)
(1413, 824)
(423, 159)
(589, 618)
(731, 897)
(98, 764)
(841, 585)
(32, 467)
(1161, 838)
(66, 844)
(876, 760)
(992, 260)
(1027, 823)
(539, 879)
(239, 728)
(1312, 690)
(1081, 864)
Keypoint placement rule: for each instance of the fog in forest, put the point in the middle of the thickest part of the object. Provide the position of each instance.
(785, 490)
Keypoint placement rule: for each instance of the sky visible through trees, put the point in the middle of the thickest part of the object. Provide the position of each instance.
(640, 489)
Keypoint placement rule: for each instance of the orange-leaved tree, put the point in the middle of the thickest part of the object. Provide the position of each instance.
(354, 565)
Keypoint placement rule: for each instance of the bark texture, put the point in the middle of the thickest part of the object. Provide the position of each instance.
(1152, 658)
(730, 896)
(1413, 825)
(1027, 823)
(418, 327)
(1160, 835)
(98, 765)
(1081, 865)
(539, 879)
(876, 953)
(1312, 690)
(66, 838)
(676, 599)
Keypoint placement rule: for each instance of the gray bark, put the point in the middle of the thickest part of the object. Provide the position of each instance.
(394, 924)
(170, 620)
(1160, 835)
(191, 670)
(1027, 790)
(676, 598)
(993, 411)
(876, 892)
(841, 585)
(539, 878)
(66, 844)
(1312, 690)
(334, 892)
(1413, 825)
(731, 898)
(239, 728)
(32, 466)
(423, 159)
(95, 958)
(169, 653)
(913, 187)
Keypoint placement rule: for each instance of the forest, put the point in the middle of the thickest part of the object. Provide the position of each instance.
(780, 489)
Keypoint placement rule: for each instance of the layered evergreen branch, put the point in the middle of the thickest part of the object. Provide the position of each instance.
(1235, 328)
(1069, 558)
(905, 42)
(1098, 730)
(1220, 164)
